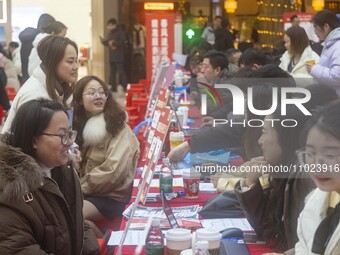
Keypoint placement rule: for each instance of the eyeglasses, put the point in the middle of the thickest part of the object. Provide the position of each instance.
(307, 157)
(65, 138)
(93, 94)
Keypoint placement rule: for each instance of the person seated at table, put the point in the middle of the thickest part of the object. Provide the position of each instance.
(225, 136)
(320, 96)
(195, 65)
(318, 224)
(273, 211)
(215, 71)
(249, 147)
(109, 149)
(40, 195)
(251, 59)
(254, 58)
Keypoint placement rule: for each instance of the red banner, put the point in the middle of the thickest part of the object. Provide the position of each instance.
(153, 147)
(159, 40)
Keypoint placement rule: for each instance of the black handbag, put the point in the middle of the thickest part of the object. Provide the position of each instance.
(223, 205)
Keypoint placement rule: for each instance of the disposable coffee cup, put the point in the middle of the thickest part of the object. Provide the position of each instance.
(180, 116)
(177, 240)
(310, 62)
(212, 236)
(176, 138)
(187, 252)
(191, 181)
(185, 112)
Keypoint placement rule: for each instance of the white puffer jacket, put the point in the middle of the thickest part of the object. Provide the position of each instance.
(33, 88)
(299, 72)
(34, 60)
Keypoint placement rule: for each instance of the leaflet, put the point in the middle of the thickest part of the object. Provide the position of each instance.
(221, 224)
(158, 212)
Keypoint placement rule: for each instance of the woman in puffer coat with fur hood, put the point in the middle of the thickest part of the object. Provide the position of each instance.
(40, 195)
(109, 149)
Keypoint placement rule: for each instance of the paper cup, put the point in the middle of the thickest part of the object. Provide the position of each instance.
(187, 252)
(191, 181)
(177, 240)
(310, 62)
(213, 237)
(185, 111)
(176, 138)
(180, 116)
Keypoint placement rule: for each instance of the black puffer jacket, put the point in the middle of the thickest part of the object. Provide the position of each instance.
(38, 214)
(26, 37)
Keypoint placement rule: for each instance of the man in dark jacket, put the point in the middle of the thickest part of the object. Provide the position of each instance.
(214, 71)
(223, 37)
(115, 40)
(27, 37)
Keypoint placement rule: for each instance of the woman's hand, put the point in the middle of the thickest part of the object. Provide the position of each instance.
(76, 158)
(309, 67)
(77, 154)
(255, 169)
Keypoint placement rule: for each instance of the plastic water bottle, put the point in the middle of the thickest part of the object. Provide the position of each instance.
(165, 179)
(154, 242)
(202, 248)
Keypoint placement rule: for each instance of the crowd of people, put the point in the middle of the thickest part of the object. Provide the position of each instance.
(58, 175)
(68, 158)
(274, 203)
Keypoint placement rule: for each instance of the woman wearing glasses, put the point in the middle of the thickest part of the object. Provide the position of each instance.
(272, 208)
(54, 77)
(318, 225)
(109, 149)
(40, 194)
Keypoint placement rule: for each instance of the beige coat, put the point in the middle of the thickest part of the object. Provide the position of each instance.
(10, 70)
(109, 163)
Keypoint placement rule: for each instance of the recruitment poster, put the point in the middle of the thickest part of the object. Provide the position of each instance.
(160, 40)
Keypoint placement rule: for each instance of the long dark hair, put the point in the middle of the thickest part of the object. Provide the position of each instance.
(51, 50)
(288, 138)
(32, 118)
(262, 80)
(326, 119)
(325, 17)
(114, 115)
